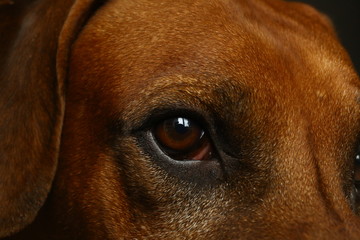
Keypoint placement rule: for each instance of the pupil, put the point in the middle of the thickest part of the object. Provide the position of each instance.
(181, 125)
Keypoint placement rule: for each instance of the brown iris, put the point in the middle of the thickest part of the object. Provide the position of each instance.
(357, 165)
(357, 169)
(357, 181)
(183, 139)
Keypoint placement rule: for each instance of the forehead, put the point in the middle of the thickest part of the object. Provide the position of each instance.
(143, 46)
(280, 61)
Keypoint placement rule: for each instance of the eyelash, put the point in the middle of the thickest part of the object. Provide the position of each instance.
(158, 115)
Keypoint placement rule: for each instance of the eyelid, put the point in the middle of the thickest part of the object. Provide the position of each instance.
(159, 114)
(168, 136)
(160, 104)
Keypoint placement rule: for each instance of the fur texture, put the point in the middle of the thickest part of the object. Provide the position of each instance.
(267, 79)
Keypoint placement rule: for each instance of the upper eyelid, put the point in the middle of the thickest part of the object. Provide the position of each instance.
(159, 114)
(177, 95)
(136, 114)
(178, 92)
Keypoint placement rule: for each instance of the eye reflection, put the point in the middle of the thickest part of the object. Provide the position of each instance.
(183, 139)
(183, 122)
(357, 169)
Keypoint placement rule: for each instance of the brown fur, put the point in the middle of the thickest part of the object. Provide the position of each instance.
(277, 91)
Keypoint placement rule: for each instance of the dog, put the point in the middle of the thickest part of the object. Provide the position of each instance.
(205, 119)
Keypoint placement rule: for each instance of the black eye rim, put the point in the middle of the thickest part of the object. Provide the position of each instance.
(357, 168)
(156, 116)
(202, 173)
(209, 120)
(356, 181)
(191, 125)
(201, 141)
(206, 118)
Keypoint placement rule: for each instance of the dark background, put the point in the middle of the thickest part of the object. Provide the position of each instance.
(345, 15)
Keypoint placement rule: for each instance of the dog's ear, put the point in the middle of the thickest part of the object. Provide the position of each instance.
(35, 39)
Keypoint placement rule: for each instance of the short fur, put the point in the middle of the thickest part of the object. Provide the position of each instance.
(82, 82)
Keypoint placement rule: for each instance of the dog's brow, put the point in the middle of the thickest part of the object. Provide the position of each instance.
(172, 93)
(139, 110)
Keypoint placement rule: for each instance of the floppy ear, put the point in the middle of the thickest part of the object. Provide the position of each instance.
(35, 39)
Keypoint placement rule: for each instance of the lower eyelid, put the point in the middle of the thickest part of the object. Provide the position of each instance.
(204, 153)
(202, 173)
(181, 138)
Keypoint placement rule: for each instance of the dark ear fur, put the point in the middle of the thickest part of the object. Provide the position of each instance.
(34, 43)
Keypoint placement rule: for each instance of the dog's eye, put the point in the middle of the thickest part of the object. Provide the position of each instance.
(357, 169)
(183, 139)
(357, 180)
